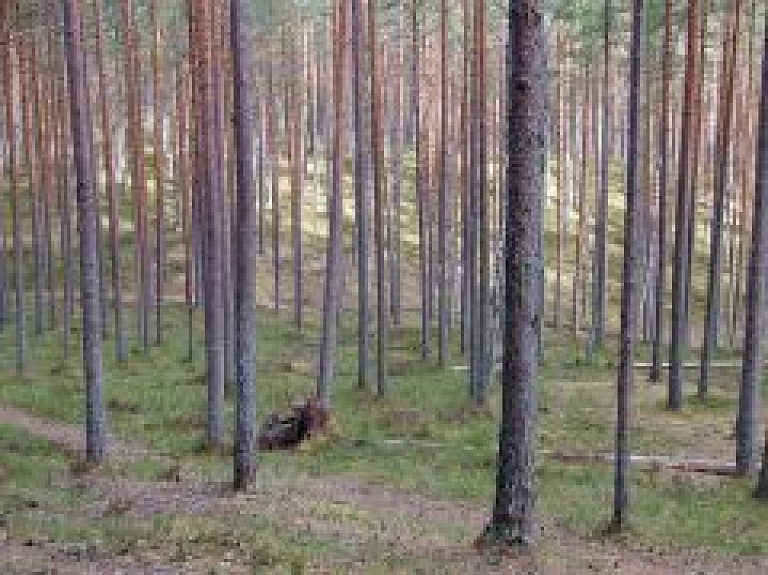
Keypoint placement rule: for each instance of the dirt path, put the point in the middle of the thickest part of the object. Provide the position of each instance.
(369, 519)
(24, 558)
(69, 438)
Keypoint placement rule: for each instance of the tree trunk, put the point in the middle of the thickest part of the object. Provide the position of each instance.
(723, 147)
(138, 168)
(512, 519)
(682, 218)
(245, 254)
(379, 205)
(332, 286)
(751, 372)
(629, 290)
(418, 178)
(661, 256)
(443, 308)
(158, 96)
(111, 189)
(88, 214)
(601, 222)
(28, 92)
(361, 204)
(16, 216)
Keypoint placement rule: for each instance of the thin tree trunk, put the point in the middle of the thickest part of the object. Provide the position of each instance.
(601, 224)
(723, 148)
(88, 214)
(480, 185)
(682, 218)
(629, 290)
(331, 299)
(297, 184)
(747, 421)
(361, 204)
(416, 37)
(661, 272)
(138, 168)
(16, 216)
(443, 307)
(27, 81)
(158, 96)
(111, 189)
(379, 205)
(245, 254)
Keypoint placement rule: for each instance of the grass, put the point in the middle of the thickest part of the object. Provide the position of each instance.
(158, 399)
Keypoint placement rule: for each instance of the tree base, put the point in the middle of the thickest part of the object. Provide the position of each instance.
(761, 491)
(615, 528)
(503, 538)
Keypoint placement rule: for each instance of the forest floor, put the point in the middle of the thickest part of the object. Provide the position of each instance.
(312, 525)
(403, 484)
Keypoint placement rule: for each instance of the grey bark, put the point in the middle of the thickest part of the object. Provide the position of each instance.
(512, 519)
(754, 325)
(661, 256)
(246, 249)
(629, 291)
(332, 285)
(87, 203)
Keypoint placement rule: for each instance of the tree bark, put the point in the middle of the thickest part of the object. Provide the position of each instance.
(332, 286)
(661, 256)
(682, 218)
(629, 290)
(87, 203)
(512, 519)
(16, 216)
(246, 248)
(747, 421)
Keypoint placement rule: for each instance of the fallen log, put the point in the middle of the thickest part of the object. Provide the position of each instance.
(735, 364)
(643, 462)
(652, 462)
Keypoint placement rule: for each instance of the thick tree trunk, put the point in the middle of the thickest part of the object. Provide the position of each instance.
(512, 519)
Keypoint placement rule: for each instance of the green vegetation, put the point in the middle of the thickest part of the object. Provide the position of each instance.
(422, 438)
